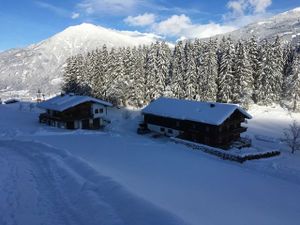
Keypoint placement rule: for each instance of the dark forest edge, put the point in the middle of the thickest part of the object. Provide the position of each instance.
(242, 72)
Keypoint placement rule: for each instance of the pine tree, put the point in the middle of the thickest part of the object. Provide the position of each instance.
(277, 68)
(70, 84)
(129, 74)
(75, 76)
(243, 80)
(288, 58)
(163, 67)
(151, 71)
(270, 79)
(255, 63)
(178, 66)
(116, 87)
(293, 83)
(139, 85)
(208, 72)
(225, 75)
(191, 76)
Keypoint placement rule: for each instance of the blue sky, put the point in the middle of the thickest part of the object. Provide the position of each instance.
(23, 22)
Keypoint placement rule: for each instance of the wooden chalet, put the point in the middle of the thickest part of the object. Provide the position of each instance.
(210, 123)
(74, 112)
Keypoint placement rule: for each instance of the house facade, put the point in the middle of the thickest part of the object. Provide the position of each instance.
(74, 112)
(214, 124)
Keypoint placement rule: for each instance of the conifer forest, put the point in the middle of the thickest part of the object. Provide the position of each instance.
(242, 72)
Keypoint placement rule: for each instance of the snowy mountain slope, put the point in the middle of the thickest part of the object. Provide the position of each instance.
(286, 25)
(40, 65)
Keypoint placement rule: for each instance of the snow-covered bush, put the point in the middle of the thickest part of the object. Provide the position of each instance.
(292, 136)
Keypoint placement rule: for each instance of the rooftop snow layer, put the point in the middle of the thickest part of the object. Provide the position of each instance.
(61, 103)
(205, 112)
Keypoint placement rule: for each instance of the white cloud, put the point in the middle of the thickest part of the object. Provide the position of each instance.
(237, 7)
(108, 6)
(173, 25)
(241, 7)
(260, 5)
(243, 12)
(75, 15)
(140, 20)
(182, 26)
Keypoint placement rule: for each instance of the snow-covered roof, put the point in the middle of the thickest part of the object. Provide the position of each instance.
(205, 112)
(63, 102)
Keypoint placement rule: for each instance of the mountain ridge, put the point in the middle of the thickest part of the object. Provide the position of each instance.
(40, 66)
(286, 25)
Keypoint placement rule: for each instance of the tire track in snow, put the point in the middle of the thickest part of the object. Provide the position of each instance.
(63, 189)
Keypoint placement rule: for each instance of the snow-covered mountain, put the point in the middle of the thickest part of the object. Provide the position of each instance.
(286, 25)
(41, 65)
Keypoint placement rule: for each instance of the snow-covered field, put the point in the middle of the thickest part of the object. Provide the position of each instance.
(54, 176)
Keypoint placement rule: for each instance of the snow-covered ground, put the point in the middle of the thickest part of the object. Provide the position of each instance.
(54, 176)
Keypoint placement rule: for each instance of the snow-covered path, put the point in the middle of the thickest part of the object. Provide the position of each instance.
(196, 187)
(193, 185)
(43, 185)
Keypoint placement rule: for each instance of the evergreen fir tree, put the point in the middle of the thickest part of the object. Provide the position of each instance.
(277, 68)
(163, 67)
(270, 80)
(255, 63)
(116, 87)
(191, 76)
(293, 83)
(178, 66)
(208, 72)
(243, 80)
(70, 83)
(288, 58)
(225, 75)
(151, 71)
(138, 93)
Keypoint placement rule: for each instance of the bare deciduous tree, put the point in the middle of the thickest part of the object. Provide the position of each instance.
(292, 136)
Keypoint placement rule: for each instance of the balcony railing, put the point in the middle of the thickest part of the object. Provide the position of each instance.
(45, 116)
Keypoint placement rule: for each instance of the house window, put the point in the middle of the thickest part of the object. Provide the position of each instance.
(101, 110)
(162, 129)
(170, 131)
(96, 111)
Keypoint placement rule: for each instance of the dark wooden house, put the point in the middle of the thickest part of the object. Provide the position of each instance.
(210, 123)
(74, 112)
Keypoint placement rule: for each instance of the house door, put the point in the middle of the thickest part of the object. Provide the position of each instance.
(96, 123)
(85, 124)
(70, 125)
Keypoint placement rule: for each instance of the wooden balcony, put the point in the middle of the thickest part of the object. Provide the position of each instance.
(240, 130)
(65, 117)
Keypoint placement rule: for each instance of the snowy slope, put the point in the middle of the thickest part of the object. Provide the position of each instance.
(199, 188)
(44, 185)
(286, 25)
(40, 65)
